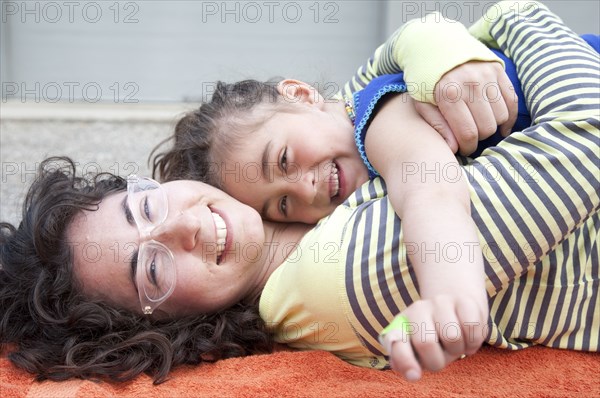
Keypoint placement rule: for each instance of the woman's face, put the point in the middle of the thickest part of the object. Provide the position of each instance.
(105, 241)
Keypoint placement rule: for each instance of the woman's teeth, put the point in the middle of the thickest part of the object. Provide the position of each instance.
(221, 228)
(335, 180)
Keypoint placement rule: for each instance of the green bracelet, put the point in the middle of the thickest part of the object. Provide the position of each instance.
(399, 323)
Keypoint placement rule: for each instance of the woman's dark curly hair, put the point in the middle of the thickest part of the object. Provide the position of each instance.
(50, 327)
(205, 134)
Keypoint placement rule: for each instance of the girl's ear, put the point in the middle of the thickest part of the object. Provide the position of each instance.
(295, 91)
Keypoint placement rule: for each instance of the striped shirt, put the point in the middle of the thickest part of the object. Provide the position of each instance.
(535, 201)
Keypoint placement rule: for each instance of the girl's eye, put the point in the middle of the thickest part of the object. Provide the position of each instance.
(283, 161)
(283, 206)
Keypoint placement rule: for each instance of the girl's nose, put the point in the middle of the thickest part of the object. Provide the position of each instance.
(305, 188)
(179, 231)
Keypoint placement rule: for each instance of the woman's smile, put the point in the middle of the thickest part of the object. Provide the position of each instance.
(201, 230)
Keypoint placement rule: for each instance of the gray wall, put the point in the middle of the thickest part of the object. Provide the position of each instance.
(582, 16)
(164, 51)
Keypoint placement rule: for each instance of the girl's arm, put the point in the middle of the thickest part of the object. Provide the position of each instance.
(426, 188)
(437, 55)
(424, 49)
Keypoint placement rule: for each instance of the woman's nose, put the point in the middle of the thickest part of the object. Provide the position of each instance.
(179, 231)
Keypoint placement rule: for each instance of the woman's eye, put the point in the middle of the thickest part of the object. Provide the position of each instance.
(153, 273)
(283, 206)
(159, 279)
(283, 161)
(152, 269)
(147, 209)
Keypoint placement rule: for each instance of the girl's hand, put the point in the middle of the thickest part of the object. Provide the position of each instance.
(473, 99)
(435, 333)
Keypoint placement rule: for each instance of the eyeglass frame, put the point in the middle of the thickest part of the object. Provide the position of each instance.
(148, 305)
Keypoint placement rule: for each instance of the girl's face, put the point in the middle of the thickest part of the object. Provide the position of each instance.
(207, 280)
(299, 165)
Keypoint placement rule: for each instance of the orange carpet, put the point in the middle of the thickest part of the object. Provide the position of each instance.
(534, 372)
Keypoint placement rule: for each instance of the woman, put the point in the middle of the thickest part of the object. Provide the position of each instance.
(89, 259)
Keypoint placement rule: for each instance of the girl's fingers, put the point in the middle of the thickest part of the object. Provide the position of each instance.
(395, 339)
(473, 329)
(461, 122)
(510, 101)
(434, 117)
(402, 356)
(424, 337)
(493, 96)
(483, 114)
(448, 328)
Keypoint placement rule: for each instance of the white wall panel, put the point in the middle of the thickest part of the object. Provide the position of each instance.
(174, 50)
(169, 50)
(583, 16)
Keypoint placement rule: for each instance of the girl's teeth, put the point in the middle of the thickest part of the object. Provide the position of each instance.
(221, 234)
(335, 178)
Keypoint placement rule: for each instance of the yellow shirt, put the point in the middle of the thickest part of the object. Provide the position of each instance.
(448, 45)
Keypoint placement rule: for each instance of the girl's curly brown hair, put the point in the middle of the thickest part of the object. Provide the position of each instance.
(203, 136)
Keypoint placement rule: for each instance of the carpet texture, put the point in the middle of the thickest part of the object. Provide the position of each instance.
(534, 372)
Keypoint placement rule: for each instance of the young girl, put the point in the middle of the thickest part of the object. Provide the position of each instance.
(216, 143)
(293, 156)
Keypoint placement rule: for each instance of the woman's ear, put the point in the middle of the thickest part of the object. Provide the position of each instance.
(296, 91)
